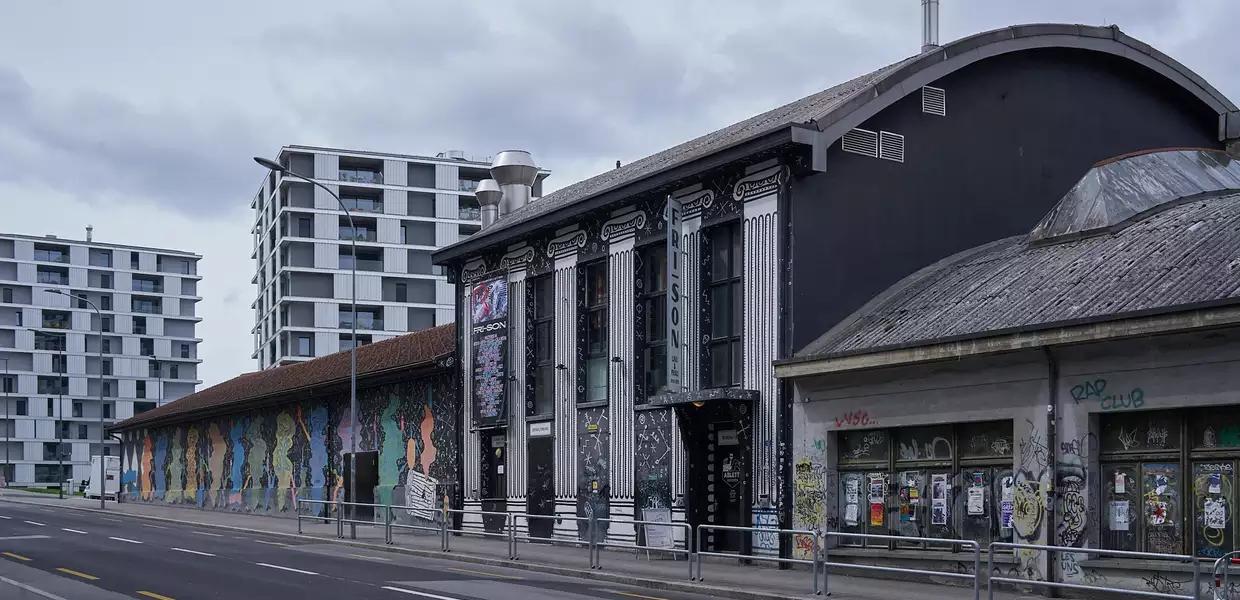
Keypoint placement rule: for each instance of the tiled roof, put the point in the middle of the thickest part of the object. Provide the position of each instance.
(817, 110)
(239, 393)
(1188, 254)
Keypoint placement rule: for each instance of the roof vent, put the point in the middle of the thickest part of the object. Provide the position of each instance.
(929, 25)
(891, 146)
(515, 172)
(861, 141)
(934, 101)
(489, 196)
(455, 154)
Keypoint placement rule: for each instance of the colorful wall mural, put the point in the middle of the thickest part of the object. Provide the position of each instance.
(267, 460)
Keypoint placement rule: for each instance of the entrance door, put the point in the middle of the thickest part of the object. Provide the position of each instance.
(494, 482)
(541, 494)
(719, 450)
(730, 460)
(367, 480)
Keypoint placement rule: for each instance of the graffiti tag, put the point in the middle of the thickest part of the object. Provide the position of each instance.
(1096, 390)
(856, 418)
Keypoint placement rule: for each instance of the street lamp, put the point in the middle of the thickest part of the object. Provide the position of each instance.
(279, 168)
(5, 384)
(102, 480)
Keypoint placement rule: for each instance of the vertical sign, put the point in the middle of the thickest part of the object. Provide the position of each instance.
(488, 310)
(674, 264)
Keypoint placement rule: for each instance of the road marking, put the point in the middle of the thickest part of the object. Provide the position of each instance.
(5, 518)
(113, 520)
(124, 540)
(72, 530)
(17, 556)
(635, 595)
(153, 527)
(36, 523)
(482, 573)
(23, 537)
(370, 557)
(154, 595)
(32, 590)
(272, 543)
(287, 569)
(415, 593)
(193, 552)
(77, 574)
(205, 533)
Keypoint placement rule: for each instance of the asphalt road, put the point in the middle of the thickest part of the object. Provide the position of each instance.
(51, 553)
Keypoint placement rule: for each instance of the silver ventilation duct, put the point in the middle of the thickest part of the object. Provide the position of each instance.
(90, 231)
(515, 172)
(489, 196)
(929, 25)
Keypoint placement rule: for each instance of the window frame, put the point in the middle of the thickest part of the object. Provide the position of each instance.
(653, 301)
(731, 338)
(542, 378)
(596, 306)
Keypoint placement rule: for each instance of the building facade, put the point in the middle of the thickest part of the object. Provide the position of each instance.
(50, 346)
(263, 442)
(608, 402)
(402, 208)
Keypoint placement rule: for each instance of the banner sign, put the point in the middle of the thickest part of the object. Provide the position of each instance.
(488, 311)
(674, 267)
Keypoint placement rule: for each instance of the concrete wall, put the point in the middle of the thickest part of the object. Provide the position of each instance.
(1058, 493)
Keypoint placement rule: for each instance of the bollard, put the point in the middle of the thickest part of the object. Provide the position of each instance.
(817, 554)
(387, 524)
(977, 571)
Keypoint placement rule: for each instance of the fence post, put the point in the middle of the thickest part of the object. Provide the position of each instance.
(826, 587)
(977, 571)
(688, 546)
(387, 523)
(1196, 577)
(512, 536)
(817, 554)
(339, 519)
(990, 568)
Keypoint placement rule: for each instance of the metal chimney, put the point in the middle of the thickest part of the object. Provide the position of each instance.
(515, 172)
(929, 25)
(489, 196)
(89, 231)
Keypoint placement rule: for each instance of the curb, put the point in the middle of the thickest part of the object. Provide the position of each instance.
(644, 582)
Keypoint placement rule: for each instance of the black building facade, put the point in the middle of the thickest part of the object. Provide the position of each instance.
(788, 222)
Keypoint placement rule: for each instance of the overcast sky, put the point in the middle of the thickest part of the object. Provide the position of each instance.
(140, 118)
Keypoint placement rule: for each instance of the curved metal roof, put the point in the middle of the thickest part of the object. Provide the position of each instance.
(838, 109)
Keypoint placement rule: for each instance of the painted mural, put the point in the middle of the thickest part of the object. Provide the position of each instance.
(267, 460)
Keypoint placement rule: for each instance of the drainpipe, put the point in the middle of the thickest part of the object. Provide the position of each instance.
(1052, 438)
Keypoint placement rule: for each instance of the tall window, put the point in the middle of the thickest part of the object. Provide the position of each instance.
(654, 306)
(7, 296)
(7, 384)
(105, 302)
(21, 409)
(140, 389)
(596, 332)
(544, 346)
(727, 306)
(173, 372)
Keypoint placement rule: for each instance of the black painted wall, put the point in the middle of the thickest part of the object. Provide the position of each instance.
(1020, 130)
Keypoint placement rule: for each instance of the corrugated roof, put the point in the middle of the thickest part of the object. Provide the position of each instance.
(239, 393)
(1184, 255)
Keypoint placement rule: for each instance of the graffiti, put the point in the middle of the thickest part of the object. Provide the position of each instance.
(1156, 437)
(266, 460)
(1001, 447)
(810, 498)
(856, 418)
(872, 439)
(1083, 447)
(938, 448)
(1128, 439)
(1033, 449)
(1096, 390)
(1094, 577)
(1162, 585)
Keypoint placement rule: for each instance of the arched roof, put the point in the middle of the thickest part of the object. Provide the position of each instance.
(828, 114)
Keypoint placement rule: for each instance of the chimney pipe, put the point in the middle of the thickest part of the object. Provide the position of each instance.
(489, 196)
(515, 172)
(89, 231)
(929, 25)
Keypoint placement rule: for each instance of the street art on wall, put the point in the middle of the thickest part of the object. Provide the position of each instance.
(267, 460)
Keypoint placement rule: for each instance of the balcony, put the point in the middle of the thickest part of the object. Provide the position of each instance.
(346, 262)
(151, 287)
(470, 213)
(467, 185)
(366, 321)
(52, 277)
(362, 204)
(361, 176)
(56, 322)
(56, 256)
(146, 307)
(360, 234)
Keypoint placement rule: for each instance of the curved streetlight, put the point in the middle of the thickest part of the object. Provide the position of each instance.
(279, 168)
(103, 486)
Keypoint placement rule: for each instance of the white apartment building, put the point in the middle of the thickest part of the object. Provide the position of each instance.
(51, 369)
(403, 208)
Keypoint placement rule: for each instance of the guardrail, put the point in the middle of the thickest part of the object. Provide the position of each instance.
(1221, 587)
(551, 540)
(509, 535)
(434, 515)
(992, 580)
(597, 556)
(353, 523)
(977, 558)
(814, 564)
(326, 518)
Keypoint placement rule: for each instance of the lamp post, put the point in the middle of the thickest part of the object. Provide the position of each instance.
(60, 417)
(7, 425)
(159, 379)
(102, 478)
(279, 168)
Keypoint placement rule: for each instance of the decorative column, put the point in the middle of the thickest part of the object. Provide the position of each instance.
(471, 444)
(515, 262)
(563, 250)
(619, 233)
(759, 192)
(692, 205)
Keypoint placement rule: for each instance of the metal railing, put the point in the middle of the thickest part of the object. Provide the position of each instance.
(508, 534)
(992, 580)
(353, 523)
(326, 518)
(597, 560)
(1222, 589)
(814, 564)
(977, 558)
(566, 541)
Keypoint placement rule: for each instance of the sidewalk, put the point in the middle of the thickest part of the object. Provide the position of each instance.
(721, 578)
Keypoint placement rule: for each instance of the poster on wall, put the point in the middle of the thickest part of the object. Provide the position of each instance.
(878, 493)
(488, 311)
(938, 499)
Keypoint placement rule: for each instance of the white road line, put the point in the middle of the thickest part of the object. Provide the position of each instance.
(205, 533)
(36, 523)
(24, 537)
(113, 520)
(124, 540)
(32, 590)
(72, 530)
(5, 518)
(153, 526)
(193, 552)
(415, 593)
(295, 570)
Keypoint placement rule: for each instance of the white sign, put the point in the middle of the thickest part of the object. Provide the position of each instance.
(542, 429)
(498, 441)
(977, 501)
(1119, 515)
(728, 437)
(674, 265)
(658, 536)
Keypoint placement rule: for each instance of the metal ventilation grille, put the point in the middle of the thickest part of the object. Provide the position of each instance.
(934, 101)
(891, 146)
(861, 141)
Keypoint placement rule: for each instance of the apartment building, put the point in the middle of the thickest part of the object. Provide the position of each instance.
(51, 367)
(401, 208)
